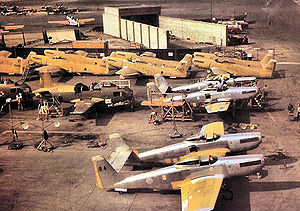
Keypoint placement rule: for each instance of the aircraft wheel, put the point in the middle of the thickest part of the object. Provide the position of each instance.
(227, 194)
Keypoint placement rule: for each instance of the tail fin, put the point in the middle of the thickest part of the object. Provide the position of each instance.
(267, 58)
(184, 64)
(45, 77)
(29, 57)
(270, 67)
(188, 59)
(105, 174)
(122, 153)
(161, 83)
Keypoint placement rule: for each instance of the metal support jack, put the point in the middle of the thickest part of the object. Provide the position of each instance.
(45, 145)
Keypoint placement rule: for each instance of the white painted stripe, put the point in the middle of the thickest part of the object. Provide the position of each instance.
(207, 177)
(296, 63)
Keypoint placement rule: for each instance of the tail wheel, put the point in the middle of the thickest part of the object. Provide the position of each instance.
(227, 194)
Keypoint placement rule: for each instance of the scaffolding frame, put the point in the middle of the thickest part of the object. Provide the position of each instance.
(170, 110)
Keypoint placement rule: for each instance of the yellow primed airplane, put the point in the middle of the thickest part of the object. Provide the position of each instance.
(76, 62)
(72, 21)
(236, 67)
(12, 66)
(48, 87)
(133, 65)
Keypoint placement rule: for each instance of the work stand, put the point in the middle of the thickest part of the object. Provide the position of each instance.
(170, 110)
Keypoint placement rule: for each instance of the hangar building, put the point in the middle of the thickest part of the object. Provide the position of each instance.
(144, 25)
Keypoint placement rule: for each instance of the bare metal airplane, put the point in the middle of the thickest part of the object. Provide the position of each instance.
(211, 139)
(215, 100)
(72, 21)
(198, 178)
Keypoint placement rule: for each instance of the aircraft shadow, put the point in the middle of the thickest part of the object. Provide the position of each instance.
(268, 110)
(273, 186)
(241, 187)
(279, 74)
(279, 158)
(273, 98)
(103, 118)
(141, 81)
(241, 195)
(241, 116)
(65, 77)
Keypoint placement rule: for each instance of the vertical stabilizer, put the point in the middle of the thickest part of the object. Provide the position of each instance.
(267, 58)
(161, 83)
(184, 64)
(270, 67)
(122, 153)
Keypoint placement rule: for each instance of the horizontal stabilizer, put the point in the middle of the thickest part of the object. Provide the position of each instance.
(217, 107)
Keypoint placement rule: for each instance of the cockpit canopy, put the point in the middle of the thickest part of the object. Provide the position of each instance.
(198, 161)
(203, 138)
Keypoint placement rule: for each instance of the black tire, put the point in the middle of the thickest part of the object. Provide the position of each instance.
(227, 194)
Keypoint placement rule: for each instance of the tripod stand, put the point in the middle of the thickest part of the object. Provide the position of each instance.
(45, 145)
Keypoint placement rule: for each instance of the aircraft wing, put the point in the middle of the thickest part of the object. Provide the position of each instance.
(12, 27)
(218, 71)
(213, 128)
(50, 69)
(82, 106)
(5, 54)
(217, 107)
(126, 72)
(59, 22)
(86, 20)
(201, 193)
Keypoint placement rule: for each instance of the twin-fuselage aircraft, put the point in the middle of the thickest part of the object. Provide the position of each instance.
(211, 139)
(197, 174)
(214, 100)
